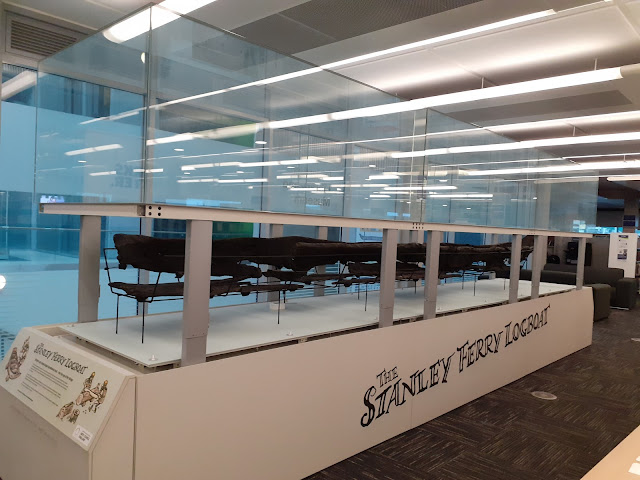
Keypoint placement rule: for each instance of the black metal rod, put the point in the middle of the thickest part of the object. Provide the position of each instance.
(117, 312)
(366, 296)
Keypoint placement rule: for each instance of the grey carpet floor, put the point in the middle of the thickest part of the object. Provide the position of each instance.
(509, 434)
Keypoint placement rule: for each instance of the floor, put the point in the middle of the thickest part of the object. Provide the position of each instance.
(509, 434)
(239, 327)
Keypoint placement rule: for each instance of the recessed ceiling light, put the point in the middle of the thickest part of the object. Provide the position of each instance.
(443, 181)
(3, 282)
(240, 171)
(291, 167)
(445, 205)
(260, 142)
(178, 149)
(468, 208)
(82, 161)
(372, 166)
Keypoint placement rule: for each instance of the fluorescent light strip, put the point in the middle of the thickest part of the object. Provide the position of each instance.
(98, 174)
(101, 148)
(384, 177)
(118, 116)
(624, 178)
(461, 195)
(358, 185)
(272, 163)
(368, 56)
(623, 165)
(19, 83)
(551, 83)
(560, 121)
(245, 180)
(422, 188)
(160, 15)
(526, 144)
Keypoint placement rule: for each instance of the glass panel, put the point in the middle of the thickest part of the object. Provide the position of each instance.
(90, 120)
(179, 112)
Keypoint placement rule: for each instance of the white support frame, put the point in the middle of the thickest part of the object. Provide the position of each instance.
(582, 250)
(89, 269)
(197, 273)
(198, 256)
(539, 257)
(388, 276)
(514, 271)
(177, 212)
(431, 278)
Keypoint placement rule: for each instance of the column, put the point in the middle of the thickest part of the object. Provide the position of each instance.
(197, 275)
(388, 276)
(323, 234)
(514, 272)
(582, 250)
(431, 279)
(89, 269)
(539, 259)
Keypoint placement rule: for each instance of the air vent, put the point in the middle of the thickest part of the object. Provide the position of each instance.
(35, 39)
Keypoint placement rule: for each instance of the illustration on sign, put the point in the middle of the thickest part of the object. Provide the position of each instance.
(16, 361)
(94, 397)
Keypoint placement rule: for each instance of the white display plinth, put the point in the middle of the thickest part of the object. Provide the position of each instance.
(242, 327)
(285, 413)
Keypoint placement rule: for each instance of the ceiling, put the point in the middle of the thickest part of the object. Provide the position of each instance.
(579, 36)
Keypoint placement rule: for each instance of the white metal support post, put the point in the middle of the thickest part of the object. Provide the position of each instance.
(197, 274)
(388, 276)
(318, 290)
(582, 250)
(514, 271)
(89, 269)
(431, 280)
(539, 259)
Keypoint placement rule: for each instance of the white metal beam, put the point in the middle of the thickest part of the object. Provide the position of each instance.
(178, 212)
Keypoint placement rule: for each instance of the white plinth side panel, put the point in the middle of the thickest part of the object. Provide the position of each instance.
(286, 413)
(31, 448)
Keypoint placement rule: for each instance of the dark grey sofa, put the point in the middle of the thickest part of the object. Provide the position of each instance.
(624, 291)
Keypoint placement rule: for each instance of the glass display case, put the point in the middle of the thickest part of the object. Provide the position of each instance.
(160, 108)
